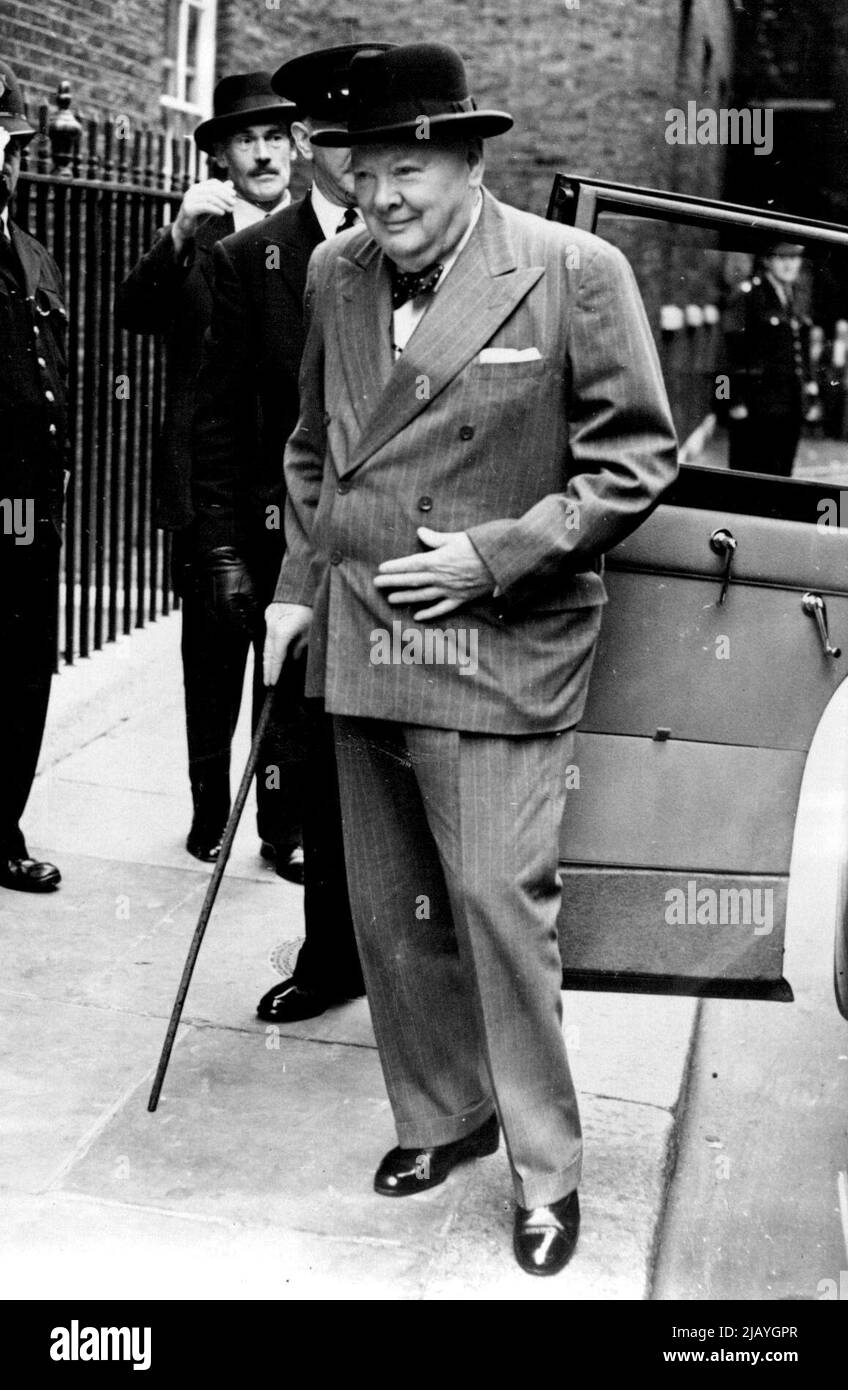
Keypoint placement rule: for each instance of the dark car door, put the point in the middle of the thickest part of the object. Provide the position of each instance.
(721, 644)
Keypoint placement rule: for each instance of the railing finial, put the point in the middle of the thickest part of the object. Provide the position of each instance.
(65, 133)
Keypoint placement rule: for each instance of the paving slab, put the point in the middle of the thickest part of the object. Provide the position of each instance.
(281, 1136)
(65, 1071)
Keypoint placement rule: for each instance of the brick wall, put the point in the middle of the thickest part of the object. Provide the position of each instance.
(109, 50)
(588, 83)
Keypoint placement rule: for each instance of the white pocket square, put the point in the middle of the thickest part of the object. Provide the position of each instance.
(530, 354)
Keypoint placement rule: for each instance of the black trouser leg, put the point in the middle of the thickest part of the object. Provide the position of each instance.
(328, 960)
(29, 576)
(214, 657)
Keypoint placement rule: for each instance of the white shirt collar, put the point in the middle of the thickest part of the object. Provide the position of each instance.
(245, 213)
(329, 214)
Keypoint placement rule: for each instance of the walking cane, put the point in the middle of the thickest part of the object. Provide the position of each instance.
(209, 900)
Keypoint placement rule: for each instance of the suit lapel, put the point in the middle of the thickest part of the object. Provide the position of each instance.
(364, 309)
(482, 290)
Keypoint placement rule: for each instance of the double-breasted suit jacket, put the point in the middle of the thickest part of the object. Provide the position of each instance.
(528, 409)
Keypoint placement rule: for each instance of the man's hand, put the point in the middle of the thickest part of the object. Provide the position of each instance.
(209, 197)
(286, 628)
(450, 574)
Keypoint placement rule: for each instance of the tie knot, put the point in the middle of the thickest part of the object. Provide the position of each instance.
(349, 220)
(410, 284)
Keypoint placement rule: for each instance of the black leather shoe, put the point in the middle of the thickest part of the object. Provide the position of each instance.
(544, 1238)
(288, 861)
(29, 875)
(404, 1172)
(289, 1002)
(207, 833)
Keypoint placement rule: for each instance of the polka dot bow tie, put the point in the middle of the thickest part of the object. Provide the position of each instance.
(409, 285)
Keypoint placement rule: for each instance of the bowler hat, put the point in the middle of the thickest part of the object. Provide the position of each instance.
(413, 92)
(319, 83)
(244, 99)
(12, 113)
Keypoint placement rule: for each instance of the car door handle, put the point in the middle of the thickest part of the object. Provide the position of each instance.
(723, 542)
(814, 604)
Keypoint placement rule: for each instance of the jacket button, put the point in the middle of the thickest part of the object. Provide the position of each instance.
(48, 396)
(466, 432)
(326, 418)
(336, 557)
(343, 488)
(425, 504)
(51, 429)
(42, 362)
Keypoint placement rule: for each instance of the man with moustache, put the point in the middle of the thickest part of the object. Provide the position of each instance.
(169, 292)
(493, 374)
(33, 471)
(247, 406)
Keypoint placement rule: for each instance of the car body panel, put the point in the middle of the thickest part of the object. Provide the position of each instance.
(677, 839)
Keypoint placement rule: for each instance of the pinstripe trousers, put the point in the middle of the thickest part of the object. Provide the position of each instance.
(452, 841)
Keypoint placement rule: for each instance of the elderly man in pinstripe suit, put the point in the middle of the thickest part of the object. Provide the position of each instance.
(492, 374)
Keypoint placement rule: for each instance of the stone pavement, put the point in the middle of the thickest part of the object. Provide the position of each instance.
(253, 1179)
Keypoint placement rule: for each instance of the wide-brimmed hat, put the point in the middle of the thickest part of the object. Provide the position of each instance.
(319, 82)
(392, 92)
(245, 98)
(12, 112)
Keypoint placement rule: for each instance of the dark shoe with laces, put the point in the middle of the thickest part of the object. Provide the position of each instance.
(544, 1238)
(405, 1172)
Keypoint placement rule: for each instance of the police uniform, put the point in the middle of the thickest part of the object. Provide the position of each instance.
(768, 344)
(33, 472)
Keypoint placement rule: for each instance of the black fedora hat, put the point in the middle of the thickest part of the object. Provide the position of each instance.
(319, 82)
(392, 92)
(12, 113)
(245, 98)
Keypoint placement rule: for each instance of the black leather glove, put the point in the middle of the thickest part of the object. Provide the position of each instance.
(229, 589)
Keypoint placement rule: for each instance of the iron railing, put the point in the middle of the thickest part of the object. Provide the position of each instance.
(95, 197)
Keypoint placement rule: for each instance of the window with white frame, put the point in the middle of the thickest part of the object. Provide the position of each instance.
(188, 66)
